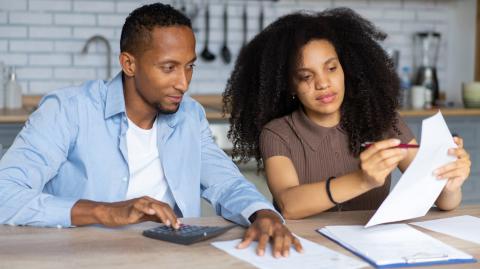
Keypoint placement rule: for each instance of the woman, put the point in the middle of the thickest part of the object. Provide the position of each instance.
(303, 97)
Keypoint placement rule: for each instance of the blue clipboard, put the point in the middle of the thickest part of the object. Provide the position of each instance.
(418, 260)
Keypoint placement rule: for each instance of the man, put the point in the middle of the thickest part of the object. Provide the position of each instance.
(131, 150)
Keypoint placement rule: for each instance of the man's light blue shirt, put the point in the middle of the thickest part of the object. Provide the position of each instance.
(74, 147)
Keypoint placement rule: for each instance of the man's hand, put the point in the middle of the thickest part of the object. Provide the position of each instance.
(268, 225)
(122, 213)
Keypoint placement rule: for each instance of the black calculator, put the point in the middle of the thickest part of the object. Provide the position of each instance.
(187, 234)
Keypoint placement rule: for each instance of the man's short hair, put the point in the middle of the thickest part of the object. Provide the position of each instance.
(136, 32)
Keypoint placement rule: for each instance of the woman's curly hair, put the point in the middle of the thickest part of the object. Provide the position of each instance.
(261, 85)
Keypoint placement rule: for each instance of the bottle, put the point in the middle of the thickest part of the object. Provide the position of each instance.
(428, 98)
(405, 86)
(13, 92)
(428, 83)
(2, 85)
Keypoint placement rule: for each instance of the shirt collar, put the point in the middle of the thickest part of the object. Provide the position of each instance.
(115, 101)
(310, 132)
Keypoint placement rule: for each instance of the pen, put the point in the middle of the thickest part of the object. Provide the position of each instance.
(403, 146)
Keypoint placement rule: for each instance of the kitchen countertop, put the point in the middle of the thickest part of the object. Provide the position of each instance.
(213, 109)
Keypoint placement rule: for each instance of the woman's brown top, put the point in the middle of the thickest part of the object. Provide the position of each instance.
(321, 152)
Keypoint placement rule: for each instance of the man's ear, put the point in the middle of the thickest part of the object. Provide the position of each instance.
(127, 61)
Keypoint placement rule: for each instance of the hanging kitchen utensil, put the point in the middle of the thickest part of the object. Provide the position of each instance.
(261, 18)
(226, 54)
(183, 7)
(206, 54)
(193, 13)
(245, 25)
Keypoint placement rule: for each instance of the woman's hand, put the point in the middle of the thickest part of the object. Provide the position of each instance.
(379, 160)
(456, 172)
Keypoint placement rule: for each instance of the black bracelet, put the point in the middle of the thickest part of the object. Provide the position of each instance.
(328, 191)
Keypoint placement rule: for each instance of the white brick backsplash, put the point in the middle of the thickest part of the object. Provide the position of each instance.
(386, 3)
(442, 27)
(13, 31)
(44, 38)
(74, 73)
(111, 20)
(42, 87)
(389, 27)
(3, 45)
(419, 4)
(49, 32)
(74, 19)
(399, 39)
(28, 73)
(31, 46)
(310, 6)
(90, 60)
(101, 73)
(54, 59)
(411, 27)
(30, 18)
(49, 5)
(70, 46)
(93, 6)
(87, 32)
(400, 15)
(350, 3)
(370, 14)
(205, 74)
(13, 5)
(430, 15)
(3, 17)
(127, 6)
(16, 59)
(23, 86)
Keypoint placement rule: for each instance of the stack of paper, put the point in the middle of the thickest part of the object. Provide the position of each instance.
(314, 256)
(418, 188)
(394, 245)
(463, 227)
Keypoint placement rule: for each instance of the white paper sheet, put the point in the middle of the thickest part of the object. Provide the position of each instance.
(314, 256)
(392, 244)
(418, 188)
(464, 227)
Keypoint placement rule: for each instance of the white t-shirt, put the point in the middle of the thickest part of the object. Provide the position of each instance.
(146, 173)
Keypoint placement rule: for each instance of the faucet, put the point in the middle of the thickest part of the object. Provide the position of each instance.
(109, 51)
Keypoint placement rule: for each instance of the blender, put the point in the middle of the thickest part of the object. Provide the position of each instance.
(427, 45)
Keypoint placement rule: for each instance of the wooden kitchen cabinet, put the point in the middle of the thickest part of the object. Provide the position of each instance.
(8, 132)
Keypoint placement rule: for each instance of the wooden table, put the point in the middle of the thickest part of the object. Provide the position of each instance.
(97, 247)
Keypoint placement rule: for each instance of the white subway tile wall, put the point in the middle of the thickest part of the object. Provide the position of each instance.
(43, 39)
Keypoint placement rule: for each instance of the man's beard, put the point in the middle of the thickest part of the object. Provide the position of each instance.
(164, 111)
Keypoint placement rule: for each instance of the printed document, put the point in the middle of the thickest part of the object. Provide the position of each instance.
(418, 188)
(464, 227)
(314, 256)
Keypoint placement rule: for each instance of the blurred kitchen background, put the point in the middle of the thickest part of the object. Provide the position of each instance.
(44, 39)
(55, 43)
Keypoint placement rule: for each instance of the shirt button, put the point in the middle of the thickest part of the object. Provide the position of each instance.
(124, 179)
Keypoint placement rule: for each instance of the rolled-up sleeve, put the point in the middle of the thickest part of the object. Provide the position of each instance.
(223, 186)
(34, 159)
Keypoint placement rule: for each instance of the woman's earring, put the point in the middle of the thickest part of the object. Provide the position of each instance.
(293, 97)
